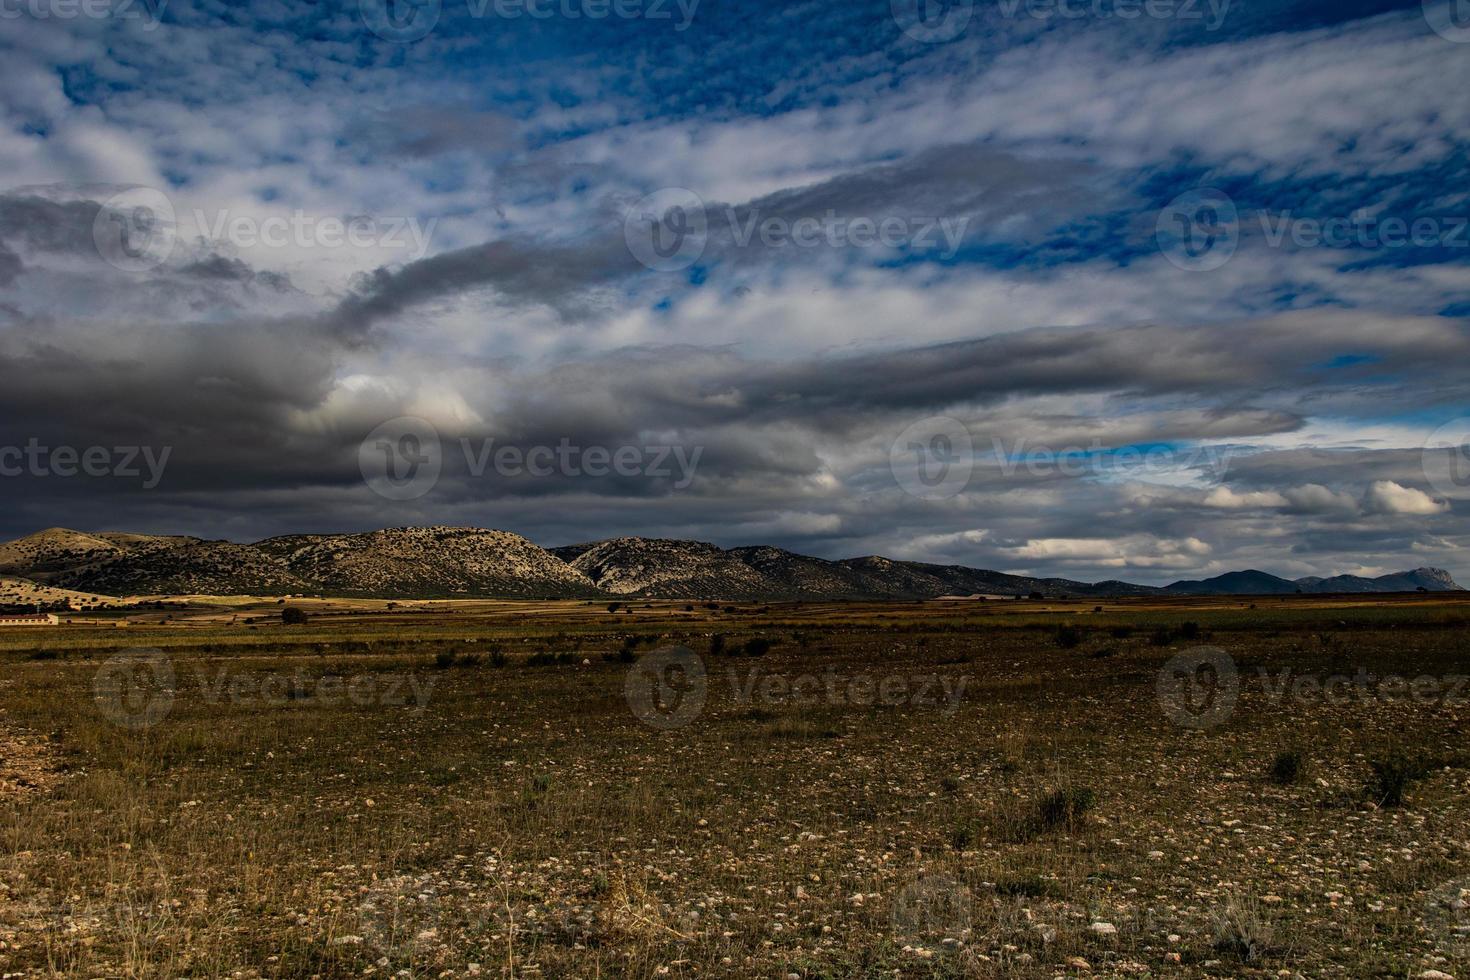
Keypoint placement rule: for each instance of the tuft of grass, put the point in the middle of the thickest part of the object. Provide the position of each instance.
(1242, 930)
(1065, 808)
(1028, 886)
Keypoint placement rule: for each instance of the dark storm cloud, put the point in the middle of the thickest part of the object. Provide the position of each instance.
(952, 182)
(35, 222)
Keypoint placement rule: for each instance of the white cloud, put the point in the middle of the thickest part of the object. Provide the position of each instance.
(1388, 497)
(1227, 499)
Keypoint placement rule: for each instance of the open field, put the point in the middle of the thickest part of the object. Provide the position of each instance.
(1002, 788)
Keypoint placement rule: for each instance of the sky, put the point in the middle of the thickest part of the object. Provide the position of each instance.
(1103, 289)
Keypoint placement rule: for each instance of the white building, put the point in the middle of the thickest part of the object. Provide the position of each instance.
(35, 619)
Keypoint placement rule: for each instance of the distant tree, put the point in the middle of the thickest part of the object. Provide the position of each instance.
(292, 616)
(612, 607)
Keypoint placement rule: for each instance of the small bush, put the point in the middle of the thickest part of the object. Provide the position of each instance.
(757, 646)
(1121, 632)
(443, 660)
(1163, 636)
(1189, 631)
(291, 616)
(1028, 886)
(717, 644)
(1064, 809)
(1069, 637)
(1391, 776)
(1287, 768)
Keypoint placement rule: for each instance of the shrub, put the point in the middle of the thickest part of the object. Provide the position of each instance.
(1069, 637)
(1287, 768)
(1121, 632)
(1391, 776)
(291, 616)
(1163, 636)
(757, 646)
(1189, 631)
(1064, 808)
(613, 607)
(717, 644)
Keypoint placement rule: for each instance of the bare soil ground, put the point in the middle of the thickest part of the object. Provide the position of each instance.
(942, 789)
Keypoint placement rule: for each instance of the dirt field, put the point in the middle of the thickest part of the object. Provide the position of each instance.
(1195, 788)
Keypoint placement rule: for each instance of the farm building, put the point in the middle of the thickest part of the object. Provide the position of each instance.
(35, 619)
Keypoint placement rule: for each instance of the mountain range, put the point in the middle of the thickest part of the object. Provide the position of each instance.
(465, 562)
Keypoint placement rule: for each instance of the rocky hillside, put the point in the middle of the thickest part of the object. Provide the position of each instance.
(661, 567)
(191, 568)
(24, 594)
(426, 562)
(468, 562)
(695, 569)
(57, 549)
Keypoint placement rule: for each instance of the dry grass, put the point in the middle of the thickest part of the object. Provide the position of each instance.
(519, 820)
